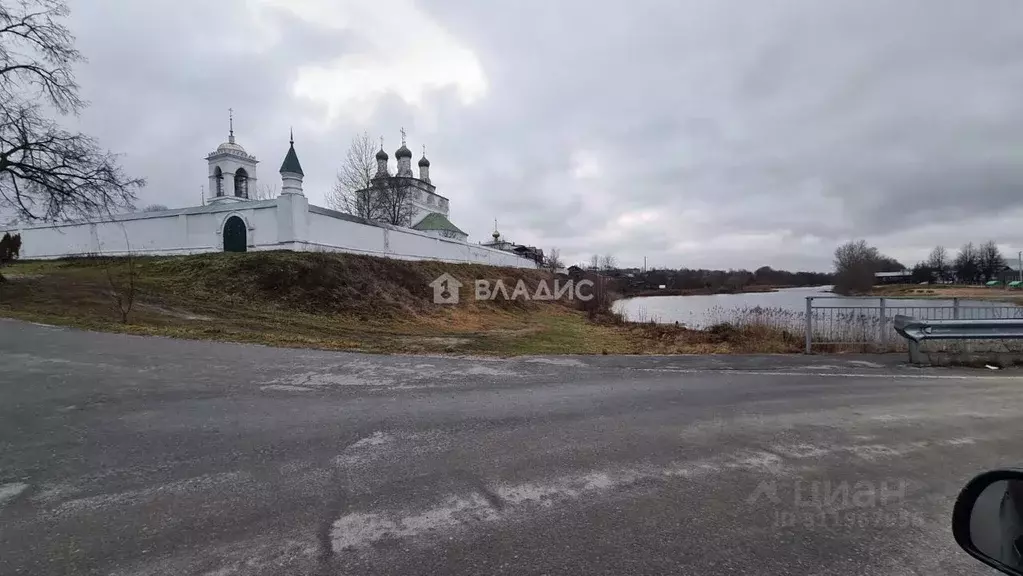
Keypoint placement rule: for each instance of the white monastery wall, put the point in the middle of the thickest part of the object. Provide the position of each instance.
(326, 232)
(154, 233)
(270, 225)
(287, 222)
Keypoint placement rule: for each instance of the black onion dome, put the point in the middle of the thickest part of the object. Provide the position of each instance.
(381, 155)
(424, 162)
(403, 152)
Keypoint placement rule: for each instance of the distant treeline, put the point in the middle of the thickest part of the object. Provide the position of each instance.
(857, 263)
(713, 281)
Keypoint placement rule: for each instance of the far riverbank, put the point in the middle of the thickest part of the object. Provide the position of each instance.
(787, 307)
(945, 291)
(702, 291)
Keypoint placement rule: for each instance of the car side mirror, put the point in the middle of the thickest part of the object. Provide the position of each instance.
(987, 520)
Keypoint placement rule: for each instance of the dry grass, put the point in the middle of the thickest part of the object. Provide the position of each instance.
(718, 339)
(852, 329)
(344, 302)
(349, 302)
(836, 330)
(938, 291)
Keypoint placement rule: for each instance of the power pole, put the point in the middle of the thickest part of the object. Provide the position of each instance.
(644, 264)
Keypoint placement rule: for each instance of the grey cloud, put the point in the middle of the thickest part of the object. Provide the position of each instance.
(794, 118)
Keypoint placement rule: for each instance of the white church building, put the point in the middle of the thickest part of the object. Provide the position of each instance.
(232, 221)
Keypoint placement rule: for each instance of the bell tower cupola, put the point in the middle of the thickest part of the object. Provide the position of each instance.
(232, 170)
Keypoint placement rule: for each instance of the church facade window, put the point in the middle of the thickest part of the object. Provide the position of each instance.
(241, 183)
(218, 175)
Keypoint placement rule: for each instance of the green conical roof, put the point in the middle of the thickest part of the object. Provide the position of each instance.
(291, 163)
(435, 221)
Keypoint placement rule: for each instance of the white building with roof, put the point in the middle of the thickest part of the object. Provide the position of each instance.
(232, 220)
(422, 208)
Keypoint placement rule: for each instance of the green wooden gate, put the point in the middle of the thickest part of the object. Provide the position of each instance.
(234, 235)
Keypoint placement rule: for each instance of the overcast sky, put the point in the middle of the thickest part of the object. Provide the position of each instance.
(699, 133)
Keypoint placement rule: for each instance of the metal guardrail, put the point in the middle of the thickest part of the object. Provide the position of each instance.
(916, 331)
(867, 321)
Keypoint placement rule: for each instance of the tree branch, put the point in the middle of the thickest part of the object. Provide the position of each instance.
(48, 173)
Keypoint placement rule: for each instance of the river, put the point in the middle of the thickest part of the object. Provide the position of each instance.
(702, 311)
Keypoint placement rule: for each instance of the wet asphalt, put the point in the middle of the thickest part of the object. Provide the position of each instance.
(125, 455)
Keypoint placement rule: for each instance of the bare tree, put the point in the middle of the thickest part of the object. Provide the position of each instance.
(47, 172)
(608, 263)
(392, 200)
(354, 177)
(265, 192)
(855, 265)
(124, 283)
(938, 261)
(595, 262)
(600, 304)
(967, 263)
(553, 260)
(155, 208)
(989, 260)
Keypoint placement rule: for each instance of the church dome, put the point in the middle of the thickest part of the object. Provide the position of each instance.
(403, 152)
(424, 162)
(230, 146)
(381, 155)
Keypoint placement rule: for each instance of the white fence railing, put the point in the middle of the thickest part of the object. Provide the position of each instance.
(833, 321)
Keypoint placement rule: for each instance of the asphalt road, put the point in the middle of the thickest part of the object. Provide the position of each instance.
(132, 456)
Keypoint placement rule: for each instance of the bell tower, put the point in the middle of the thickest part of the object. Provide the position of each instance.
(232, 170)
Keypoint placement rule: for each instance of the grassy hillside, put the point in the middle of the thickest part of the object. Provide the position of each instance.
(336, 301)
